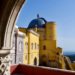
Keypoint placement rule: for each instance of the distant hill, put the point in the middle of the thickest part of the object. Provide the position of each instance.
(71, 55)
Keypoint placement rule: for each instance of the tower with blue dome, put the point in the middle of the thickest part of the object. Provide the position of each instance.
(49, 53)
(47, 41)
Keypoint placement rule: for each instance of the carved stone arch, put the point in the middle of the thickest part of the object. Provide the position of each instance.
(9, 10)
(8, 15)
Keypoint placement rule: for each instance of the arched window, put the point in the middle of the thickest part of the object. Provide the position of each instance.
(44, 47)
(38, 46)
(31, 45)
(35, 45)
(20, 45)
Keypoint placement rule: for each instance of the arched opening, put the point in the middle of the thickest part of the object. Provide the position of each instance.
(8, 15)
(43, 60)
(7, 21)
(35, 61)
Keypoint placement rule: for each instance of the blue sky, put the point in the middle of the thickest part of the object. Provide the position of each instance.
(60, 11)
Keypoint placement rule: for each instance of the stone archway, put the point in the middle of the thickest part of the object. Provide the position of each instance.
(9, 10)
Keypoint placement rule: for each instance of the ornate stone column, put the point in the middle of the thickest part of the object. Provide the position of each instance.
(5, 61)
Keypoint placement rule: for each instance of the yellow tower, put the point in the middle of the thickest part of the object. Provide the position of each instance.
(48, 44)
(51, 30)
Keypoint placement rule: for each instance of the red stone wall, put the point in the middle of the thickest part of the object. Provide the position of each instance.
(30, 70)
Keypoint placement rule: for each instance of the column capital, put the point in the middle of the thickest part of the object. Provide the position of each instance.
(4, 52)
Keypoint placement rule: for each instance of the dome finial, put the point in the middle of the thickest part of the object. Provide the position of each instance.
(37, 15)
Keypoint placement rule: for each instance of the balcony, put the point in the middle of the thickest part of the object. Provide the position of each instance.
(34, 70)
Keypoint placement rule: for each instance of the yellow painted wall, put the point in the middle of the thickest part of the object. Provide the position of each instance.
(29, 53)
(48, 39)
(51, 30)
(33, 52)
(25, 55)
(42, 33)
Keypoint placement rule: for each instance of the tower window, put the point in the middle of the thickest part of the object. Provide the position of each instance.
(26, 44)
(31, 45)
(57, 53)
(37, 46)
(44, 47)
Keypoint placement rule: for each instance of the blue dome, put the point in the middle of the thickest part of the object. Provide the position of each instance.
(39, 22)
